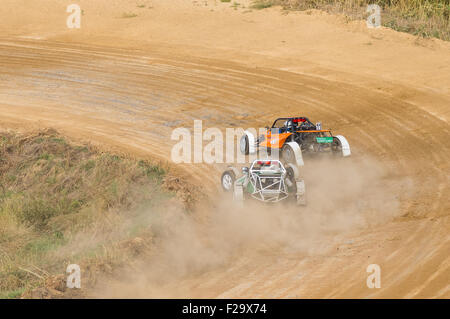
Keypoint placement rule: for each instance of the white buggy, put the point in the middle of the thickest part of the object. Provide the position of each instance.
(267, 181)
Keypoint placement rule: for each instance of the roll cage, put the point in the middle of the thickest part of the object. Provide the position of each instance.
(267, 178)
(297, 123)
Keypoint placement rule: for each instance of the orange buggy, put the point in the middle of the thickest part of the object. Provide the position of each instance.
(295, 136)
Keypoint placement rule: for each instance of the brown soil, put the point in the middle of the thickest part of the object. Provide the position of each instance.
(125, 83)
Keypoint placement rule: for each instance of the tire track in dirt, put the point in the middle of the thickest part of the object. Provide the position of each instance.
(132, 100)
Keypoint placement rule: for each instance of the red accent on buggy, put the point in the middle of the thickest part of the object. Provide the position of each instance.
(264, 163)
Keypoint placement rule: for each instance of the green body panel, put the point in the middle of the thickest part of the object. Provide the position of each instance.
(250, 188)
(241, 181)
(324, 139)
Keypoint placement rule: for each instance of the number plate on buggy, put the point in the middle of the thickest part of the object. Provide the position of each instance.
(324, 139)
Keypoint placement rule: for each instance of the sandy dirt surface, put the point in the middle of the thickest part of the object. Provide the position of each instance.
(126, 83)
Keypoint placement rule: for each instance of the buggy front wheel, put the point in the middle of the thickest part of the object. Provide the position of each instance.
(227, 180)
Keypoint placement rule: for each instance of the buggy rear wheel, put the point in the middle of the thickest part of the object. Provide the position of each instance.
(287, 154)
(244, 145)
(292, 172)
(336, 147)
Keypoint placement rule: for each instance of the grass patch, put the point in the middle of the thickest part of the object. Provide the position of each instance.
(128, 15)
(427, 18)
(62, 203)
(12, 294)
(262, 4)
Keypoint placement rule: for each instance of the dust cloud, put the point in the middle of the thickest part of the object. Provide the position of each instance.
(342, 196)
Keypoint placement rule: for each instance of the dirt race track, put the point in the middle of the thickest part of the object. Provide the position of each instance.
(126, 84)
